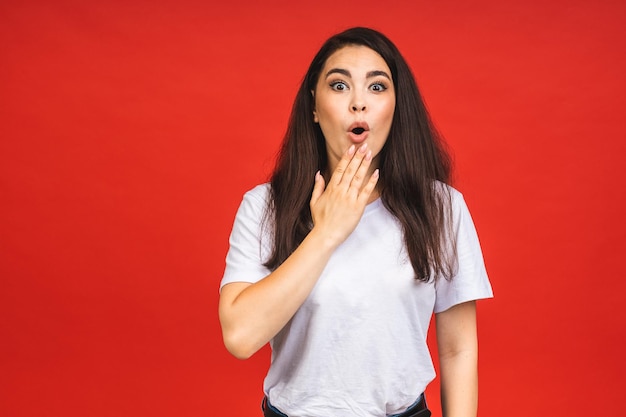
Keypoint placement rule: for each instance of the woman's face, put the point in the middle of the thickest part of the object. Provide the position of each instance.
(354, 102)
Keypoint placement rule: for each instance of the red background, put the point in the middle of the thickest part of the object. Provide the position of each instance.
(130, 130)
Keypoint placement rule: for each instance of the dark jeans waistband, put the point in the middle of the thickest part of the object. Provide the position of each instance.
(418, 409)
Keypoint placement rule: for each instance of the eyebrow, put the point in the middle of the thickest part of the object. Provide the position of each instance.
(368, 75)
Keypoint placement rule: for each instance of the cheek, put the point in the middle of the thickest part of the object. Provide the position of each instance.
(328, 118)
(329, 130)
(326, 107)
(386, 115)
(391, 110)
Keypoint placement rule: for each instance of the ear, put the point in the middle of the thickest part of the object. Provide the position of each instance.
(315, 118)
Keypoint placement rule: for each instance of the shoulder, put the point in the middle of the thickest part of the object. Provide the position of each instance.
(256, 199)
(450, 195)
(454, 206)
(254, 204)
(259, 194)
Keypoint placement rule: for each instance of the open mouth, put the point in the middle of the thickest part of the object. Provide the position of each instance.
(358, 130)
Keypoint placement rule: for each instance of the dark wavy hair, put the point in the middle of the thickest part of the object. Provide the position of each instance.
(414, 165)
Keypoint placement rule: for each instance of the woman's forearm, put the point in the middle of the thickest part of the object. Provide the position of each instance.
(459, 384)
(458, 360)
(252, 314)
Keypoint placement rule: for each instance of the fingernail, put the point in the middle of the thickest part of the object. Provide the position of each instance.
(363, 148)
(369, 155)
(351, 150)
(376, 173)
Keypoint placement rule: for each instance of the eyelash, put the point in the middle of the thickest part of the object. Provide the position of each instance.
(382, 86)
(333, 85)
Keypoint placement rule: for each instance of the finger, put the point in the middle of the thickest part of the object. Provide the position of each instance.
(370, 186)
(318, 188)
(357, 160)
(342, 165)
(353, 166)
(360, 171)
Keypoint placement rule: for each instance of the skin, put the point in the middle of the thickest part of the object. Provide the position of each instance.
(457, 344)
(354, 86)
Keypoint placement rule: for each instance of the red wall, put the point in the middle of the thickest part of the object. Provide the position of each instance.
(130, 130)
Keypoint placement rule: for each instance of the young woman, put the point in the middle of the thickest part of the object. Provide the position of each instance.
(340, 261)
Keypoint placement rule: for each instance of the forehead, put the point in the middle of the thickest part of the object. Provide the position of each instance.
(356, 58)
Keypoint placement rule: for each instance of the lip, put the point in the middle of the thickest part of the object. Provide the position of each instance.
(356, 139)
(362, 124)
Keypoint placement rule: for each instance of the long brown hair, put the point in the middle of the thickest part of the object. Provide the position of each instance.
(413, 164)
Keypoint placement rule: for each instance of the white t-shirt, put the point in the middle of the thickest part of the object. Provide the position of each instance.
(357, 346)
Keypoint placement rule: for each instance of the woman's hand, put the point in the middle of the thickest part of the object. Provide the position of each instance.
(337, 208)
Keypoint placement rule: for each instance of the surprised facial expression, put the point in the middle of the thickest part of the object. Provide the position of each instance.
(354, 102)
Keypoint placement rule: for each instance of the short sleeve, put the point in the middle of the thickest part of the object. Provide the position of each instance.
(471, 281)
(248, 240)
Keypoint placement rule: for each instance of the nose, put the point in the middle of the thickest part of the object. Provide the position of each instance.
(358, 103)
(358, 107)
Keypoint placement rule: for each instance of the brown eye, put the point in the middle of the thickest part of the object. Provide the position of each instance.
(378, 87)
(338, 86)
